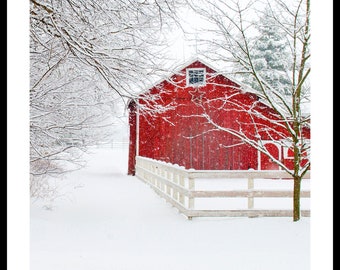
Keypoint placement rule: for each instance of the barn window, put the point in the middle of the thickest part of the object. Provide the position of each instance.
(196, 76)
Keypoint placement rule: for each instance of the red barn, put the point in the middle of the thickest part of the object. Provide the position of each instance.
(181, 120)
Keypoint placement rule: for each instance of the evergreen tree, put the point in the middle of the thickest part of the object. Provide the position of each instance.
(270, 56)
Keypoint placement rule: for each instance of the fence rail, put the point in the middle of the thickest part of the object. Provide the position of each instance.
(113, 144)
(183, 189)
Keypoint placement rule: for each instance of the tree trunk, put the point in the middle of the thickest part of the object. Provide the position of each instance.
(296, 198)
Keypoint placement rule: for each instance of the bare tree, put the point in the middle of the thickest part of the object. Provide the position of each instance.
(86, 56)
(232, 38)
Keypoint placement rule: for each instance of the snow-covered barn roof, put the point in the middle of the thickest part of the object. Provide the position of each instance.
(219, 71)
(176, 69)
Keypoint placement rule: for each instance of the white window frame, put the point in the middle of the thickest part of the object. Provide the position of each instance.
(286, 149)
(198, 83)
(285, 153)
(264, 142)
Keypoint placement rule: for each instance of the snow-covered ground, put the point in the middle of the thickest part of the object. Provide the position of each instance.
(57, 241)
(107, 220)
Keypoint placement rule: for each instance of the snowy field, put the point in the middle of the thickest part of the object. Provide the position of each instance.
(104, 219)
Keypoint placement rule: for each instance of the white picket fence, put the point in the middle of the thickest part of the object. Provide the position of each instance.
(220, 193)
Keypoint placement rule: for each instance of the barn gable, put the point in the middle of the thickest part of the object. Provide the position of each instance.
(167, 123)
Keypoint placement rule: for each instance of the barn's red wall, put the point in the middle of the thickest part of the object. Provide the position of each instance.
(132, 137)
(180, 136)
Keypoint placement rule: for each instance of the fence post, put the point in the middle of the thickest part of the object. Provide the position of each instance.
(175, 180)
(169, 176)
(250, 194)
(181, 183)
(162, 174)
(191, 199)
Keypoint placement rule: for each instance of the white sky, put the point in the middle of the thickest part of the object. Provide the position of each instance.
(18, 133)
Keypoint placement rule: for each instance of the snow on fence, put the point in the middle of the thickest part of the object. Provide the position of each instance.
(220, 193)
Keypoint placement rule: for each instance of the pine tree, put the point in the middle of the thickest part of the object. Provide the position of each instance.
(270, 55)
